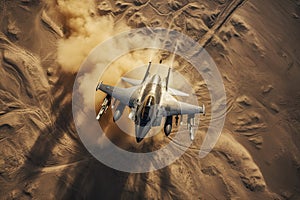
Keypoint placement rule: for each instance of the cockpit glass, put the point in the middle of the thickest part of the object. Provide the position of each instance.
(146, 107)
(150, 101)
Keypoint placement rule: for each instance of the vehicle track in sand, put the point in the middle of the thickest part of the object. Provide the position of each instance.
(222, 18)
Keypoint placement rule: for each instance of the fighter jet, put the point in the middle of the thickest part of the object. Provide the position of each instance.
(150, 100)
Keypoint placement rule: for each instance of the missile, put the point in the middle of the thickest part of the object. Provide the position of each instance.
(119, 111)
(190, 126)
(104, 106)
(132, 114)
(176, 120)
(168, 125)
(114, 104)
(192, 133)
(99, 114)
(181, 120)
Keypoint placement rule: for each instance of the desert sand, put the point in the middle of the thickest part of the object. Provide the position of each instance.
(255, 45)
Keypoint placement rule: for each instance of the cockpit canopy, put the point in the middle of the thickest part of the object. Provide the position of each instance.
(148, 103)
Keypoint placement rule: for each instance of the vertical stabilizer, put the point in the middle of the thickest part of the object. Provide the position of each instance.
(147, 72)
(167, 78)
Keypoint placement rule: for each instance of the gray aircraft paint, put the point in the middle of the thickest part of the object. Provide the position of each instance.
(84, 112)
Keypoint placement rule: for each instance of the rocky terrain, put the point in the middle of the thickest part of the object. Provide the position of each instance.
(255, 45)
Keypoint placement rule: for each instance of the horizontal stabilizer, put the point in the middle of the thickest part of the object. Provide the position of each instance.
(175, 92)
(132, 81)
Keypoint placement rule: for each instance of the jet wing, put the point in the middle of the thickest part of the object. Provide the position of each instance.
(124, 95)
(177, 92)
(132, 81)
(173, 107)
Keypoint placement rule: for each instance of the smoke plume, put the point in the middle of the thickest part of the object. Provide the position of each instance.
(85, 29)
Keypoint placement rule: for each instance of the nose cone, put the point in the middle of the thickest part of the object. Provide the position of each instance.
(138, 140)
(141, 132)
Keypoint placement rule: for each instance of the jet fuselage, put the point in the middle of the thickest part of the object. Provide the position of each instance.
(150, 100)
(148, 106)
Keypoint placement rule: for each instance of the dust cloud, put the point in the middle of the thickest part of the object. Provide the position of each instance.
(85, 30)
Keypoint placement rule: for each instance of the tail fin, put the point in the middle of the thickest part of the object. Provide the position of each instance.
(167, 78)
(147, 72)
